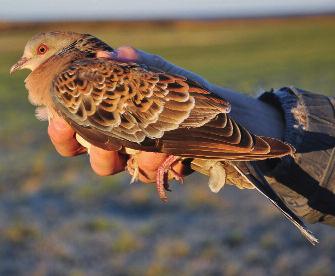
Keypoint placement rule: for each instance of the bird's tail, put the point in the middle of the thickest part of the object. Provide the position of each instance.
(251, 172)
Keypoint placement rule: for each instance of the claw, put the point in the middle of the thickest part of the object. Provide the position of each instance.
(135, 175)
(133, 168)
(166, 183)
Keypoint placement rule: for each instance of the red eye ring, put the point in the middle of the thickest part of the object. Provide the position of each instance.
(42, 49)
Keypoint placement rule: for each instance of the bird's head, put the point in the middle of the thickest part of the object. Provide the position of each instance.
(45, 45)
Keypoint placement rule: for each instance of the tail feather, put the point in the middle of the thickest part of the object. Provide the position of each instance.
(251, 172)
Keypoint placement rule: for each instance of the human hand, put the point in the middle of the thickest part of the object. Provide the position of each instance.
(105, 162)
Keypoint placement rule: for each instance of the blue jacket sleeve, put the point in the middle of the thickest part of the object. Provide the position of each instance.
(306, 181)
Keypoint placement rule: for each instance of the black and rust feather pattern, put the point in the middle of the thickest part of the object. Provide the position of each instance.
(86, 44)
(167, 113)
(91, 44)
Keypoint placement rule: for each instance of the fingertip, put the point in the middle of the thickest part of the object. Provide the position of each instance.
(63, 138)
(105, 162)
(60, 130)
(149, 163)
(98, 170)
(123, 54)
(127, 52)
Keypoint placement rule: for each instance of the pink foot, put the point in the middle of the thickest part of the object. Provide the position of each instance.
(161, 177)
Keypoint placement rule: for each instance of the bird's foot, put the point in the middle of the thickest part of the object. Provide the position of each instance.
(162, 176)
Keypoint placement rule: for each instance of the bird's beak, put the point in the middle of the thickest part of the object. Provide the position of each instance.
(19, 65)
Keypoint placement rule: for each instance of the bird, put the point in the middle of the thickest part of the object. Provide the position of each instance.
(130, 107)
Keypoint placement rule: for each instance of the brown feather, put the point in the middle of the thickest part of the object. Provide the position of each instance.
(130, 105)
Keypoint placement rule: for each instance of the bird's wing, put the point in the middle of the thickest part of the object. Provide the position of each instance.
(251, 172)
(114, 104)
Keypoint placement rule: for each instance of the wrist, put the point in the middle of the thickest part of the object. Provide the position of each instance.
(259, 117)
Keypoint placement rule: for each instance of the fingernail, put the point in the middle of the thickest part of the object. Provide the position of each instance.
(125, 54)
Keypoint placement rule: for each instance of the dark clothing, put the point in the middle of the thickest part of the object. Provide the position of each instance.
(306, 181)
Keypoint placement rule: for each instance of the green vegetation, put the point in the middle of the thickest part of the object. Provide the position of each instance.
(57, 217)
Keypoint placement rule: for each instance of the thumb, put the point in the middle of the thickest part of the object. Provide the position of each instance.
(123, 54)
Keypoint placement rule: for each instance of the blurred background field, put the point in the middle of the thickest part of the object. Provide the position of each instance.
(58, 218)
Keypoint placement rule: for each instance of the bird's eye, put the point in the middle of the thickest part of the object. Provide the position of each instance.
(42, 49)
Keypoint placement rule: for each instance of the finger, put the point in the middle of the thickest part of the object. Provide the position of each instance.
(123, 54)
(149, 162)
(63, 138)
(105, 162)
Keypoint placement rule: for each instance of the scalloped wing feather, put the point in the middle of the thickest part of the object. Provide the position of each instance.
(130, 106)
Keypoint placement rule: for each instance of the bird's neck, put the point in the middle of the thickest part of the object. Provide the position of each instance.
(39, 82)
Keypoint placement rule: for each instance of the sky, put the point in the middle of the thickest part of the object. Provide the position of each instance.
(148, 9)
